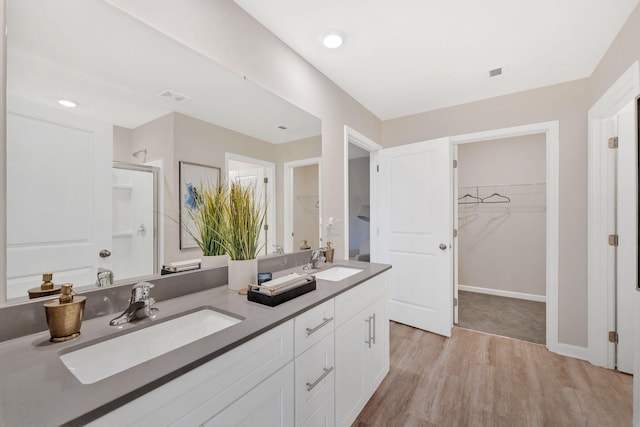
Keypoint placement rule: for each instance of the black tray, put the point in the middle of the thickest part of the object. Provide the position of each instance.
(273, 300)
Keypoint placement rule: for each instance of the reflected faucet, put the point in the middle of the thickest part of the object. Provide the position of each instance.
(279, 249)
(105, 277)
(317, 255)
(139, 304)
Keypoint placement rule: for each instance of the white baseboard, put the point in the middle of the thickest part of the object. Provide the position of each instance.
(574, 351)
(501, 293)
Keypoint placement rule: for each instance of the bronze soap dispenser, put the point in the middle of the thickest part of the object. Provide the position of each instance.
(64, 314)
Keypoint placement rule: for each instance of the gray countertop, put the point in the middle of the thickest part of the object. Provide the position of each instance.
(36, 389)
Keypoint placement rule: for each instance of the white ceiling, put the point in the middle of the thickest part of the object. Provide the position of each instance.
(403, 57)
(114, 67)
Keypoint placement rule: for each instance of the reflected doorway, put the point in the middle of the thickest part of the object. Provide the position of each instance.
(302, 229)
(359, 203)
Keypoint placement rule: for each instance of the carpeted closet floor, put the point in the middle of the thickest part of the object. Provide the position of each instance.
(508, 317)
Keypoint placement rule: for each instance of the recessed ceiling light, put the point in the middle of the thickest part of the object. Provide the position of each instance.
(66, 103)
(333, 39)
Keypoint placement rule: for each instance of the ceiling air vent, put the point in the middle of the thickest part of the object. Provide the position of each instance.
(495, 72)
(173, 95)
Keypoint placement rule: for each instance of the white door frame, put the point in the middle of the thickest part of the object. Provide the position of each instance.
(356, 138)
(552, 131)
(601, 299)
(288, 168)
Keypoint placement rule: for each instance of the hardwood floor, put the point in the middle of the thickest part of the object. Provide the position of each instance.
(476, 379)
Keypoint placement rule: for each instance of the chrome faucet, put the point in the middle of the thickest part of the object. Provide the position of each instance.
(139, 304)
(317, 255)
(279, 250)
(105, 277)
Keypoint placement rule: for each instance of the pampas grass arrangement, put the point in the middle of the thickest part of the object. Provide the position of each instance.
(244, 220)
(228, 221)
(209, 220)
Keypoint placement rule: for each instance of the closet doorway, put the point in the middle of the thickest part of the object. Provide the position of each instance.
(501, 240)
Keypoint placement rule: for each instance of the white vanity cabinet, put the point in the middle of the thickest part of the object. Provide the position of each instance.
(316, 370)
(315, 366)
(361, 345)
(229, 387)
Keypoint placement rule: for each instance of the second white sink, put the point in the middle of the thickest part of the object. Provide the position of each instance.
(337, 273)
(101, 360)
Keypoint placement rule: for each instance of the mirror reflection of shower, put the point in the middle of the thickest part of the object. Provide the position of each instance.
(359, 203)
(135, 220)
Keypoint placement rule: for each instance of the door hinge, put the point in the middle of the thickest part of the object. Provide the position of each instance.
(377, 168)
(613, 336)
(613, 142)
(613, 240)
(455, 302)
(455, 164)
(266, 180)
(455, 232)
(266, 227)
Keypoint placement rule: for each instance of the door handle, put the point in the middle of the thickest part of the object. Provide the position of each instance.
(443, 247)
(105, 253)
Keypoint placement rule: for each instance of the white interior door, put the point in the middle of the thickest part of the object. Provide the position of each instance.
(626, 257)
(415, 229)
(58, 196)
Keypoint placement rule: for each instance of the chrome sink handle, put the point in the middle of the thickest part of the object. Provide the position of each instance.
(139, 304)
(141, 292)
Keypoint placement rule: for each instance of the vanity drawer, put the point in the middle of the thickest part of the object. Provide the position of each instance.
(314, 378)
(358, 298)
(313, 325)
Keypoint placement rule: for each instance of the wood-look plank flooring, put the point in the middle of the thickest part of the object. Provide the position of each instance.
(477, 379)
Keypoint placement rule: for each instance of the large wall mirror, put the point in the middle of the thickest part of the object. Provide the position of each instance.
(101, 108)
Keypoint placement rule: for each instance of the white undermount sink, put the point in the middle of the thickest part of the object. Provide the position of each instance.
(335, 274)
(101, 360)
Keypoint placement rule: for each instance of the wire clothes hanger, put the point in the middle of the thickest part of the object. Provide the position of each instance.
(496, 198)
(469, 199)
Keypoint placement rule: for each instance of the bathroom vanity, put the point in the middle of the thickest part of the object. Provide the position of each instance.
(314, 360)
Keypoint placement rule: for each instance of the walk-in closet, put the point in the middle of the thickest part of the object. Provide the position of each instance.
(501, 268)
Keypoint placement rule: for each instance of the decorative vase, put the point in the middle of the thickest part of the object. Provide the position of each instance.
(213, 261)
(241, 273)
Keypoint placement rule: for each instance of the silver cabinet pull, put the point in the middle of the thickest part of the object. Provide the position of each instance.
(442, 246)
(373, 337)
(105, 253)
(311, 386)
(369, 341)
(325, 321)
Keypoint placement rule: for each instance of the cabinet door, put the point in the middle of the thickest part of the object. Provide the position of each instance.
(315, 378)
(376, 356)
(350, 375)
(324, 416)
(270, 404)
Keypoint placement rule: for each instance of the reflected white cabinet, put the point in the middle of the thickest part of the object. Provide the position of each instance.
(362, 347)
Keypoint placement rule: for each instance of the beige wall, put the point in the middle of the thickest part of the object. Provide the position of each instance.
(122, 144)
(502, 246)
